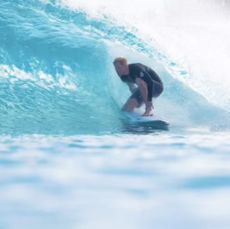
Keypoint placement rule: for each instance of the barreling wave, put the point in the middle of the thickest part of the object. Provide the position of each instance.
(56, 75)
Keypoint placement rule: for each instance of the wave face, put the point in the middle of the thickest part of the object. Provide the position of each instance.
(56, 73)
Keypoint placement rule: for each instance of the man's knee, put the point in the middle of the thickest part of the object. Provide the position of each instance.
(158, 89)
(130, 105)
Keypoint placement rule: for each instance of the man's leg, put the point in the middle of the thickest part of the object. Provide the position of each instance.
(134, 101)
(157, 89)
(130, 105)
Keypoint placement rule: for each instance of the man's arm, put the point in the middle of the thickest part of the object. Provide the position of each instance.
(143, 89)
(144, 93)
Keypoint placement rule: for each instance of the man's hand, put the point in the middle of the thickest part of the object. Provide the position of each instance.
(148, 109)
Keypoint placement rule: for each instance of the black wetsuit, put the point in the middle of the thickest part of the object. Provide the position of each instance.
(153, 81)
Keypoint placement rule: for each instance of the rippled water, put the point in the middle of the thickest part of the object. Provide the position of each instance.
(160, 180)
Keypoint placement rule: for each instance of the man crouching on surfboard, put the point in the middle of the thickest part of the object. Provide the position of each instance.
(143, 83)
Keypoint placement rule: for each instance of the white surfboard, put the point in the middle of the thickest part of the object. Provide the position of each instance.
(151, 121)
(137, 117)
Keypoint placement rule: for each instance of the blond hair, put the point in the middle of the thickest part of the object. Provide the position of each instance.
(121, 60)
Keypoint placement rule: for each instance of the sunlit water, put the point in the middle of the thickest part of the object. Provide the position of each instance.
(69, 159)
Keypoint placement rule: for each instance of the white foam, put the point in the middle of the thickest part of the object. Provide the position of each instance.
(40, 78)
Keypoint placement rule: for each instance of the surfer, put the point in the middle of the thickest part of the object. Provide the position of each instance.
(143, 83)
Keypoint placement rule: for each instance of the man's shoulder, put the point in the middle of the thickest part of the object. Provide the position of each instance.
(135, 67)
(139, 66)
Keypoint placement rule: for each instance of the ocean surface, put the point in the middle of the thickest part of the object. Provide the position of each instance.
(69, 159)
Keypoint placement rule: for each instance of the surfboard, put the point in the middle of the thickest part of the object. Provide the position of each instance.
(155, 122)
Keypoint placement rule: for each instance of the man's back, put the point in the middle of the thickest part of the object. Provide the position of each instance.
(144, 72)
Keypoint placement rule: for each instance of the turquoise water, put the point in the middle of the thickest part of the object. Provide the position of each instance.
(67, 157)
